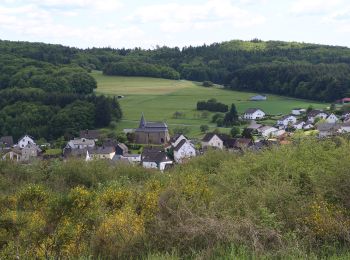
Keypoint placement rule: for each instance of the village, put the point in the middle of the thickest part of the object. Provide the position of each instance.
(159, 150)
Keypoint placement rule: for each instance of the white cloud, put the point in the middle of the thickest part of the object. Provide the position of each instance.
(173, 17)
(103, 6)
(30, 22)
(312, 7)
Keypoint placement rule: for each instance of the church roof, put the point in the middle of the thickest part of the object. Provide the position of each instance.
(145, 126)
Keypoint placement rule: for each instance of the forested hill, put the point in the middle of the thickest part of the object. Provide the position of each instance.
(302, 70)
(46, 95)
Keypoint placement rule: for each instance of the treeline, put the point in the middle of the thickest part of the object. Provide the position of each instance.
(286, 202)
(212, 105)
(288, 68)
(327, 82)
(53, 115)
(140, 69)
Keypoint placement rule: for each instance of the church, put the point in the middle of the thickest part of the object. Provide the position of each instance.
(152, 132)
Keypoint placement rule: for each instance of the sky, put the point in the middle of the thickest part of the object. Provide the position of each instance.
(151, 23)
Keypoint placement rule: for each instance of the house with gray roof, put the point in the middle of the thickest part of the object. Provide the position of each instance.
(287, 120)
(90, 134)
(6, 142)
(155, 159)
(183, 151)
(253, 114)
(327, 129)
(314, 114)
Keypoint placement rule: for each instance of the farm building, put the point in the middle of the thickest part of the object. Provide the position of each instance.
(258, 98)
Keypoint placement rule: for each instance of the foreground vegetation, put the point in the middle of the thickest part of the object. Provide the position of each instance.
(285, 202)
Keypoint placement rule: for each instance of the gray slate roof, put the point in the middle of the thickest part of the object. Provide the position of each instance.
(178, 147)
(155, 156)
(315, 112)
(325, 127)
(145, 126)
(7, 141)
(252, 110)
(286, 117)
(102, 150)
(90, 134)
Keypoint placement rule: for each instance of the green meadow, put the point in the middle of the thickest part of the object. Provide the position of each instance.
(159, 99)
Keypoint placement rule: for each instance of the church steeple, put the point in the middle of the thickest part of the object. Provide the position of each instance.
(142, 122)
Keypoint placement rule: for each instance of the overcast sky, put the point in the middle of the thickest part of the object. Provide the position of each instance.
(147, 23)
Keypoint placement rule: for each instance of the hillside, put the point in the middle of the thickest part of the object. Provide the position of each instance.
(300, 70)
(289, 202)
(159, 99)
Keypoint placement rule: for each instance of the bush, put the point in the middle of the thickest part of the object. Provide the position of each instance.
(204, 128)
(207, 84)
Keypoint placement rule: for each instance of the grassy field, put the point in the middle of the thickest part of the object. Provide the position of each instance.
(159, 99)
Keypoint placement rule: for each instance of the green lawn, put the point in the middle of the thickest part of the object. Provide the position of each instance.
(158, 99)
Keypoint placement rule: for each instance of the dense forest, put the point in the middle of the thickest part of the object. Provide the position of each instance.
(44, 95)
(302, 70)
(289, 202)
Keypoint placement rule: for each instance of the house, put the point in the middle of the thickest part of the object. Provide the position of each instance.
(175, 140)
(183, 151)
(90, 134)
(13, 155)
(308, 125)
(254, 126)
(25, 154)
(299, 125)
(287, 120)
(344, 101)
(258, 98)
(298, 111)
(133, 158)
(267, 131)
(102, 152)
(151, 133)
(332, 118)
(155, 159)
(243, 143)
(312, 115)
(212, 140)
(30, 151)
(80, 143)
(121, 149)
(253, 114)
(24, 141)
(6, 142)
(327, 129)
(77, 153)
(119, 159)
(345, 128)
(345, 115)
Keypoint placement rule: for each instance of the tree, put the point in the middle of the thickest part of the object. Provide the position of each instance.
(247, 133)
(231, 117)
(103, 112)
(235, 131)
(207, 84)
(204, 128)
(309, 109)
